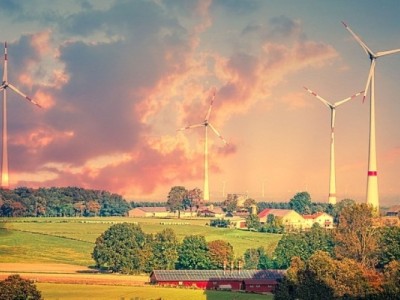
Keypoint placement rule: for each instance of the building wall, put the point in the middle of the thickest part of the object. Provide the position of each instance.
(136, 212)
(294, 220)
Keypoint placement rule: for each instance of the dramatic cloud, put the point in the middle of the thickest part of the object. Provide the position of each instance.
(117, 79)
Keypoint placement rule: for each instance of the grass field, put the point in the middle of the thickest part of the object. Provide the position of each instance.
(45, 249)
(52, 291)
(71, 240)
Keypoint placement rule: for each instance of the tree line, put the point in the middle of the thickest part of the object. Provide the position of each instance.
(125, 248)
(60, 202)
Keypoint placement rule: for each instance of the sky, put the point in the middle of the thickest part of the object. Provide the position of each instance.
(116, 79)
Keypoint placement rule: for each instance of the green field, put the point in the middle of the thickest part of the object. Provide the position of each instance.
(51, 291)
(71, 240)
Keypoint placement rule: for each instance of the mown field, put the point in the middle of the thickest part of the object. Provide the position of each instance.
(52, 291)
(71, 240)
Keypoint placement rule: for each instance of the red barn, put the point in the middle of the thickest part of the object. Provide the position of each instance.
(256, 281)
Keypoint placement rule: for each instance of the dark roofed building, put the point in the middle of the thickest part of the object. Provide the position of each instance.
(260, 281)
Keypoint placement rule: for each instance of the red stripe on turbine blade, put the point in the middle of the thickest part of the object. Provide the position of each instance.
(330, 195)
(372, 173)
(315, 94)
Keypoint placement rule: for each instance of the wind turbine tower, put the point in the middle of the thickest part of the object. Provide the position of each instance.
(372, 175)
(4, 86)
(332, 107)
(206, 124)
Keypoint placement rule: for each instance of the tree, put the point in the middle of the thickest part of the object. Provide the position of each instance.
(322, 277)
(251, 258)
(193, 253)
(165, 250)
(120, 249)
(249, 203)
(389, 249)
(340, 206)
(175, 199)
(194, 198)
(16, 288)
(230, 204)
(303, 245)
(391, 285)
(355, 236)
(253, 222)
(220, 254)
(301, 202)
(92, 208)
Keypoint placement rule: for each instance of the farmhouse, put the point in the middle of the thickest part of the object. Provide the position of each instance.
(323, 219)
(293, 220)
(160, 212)
(289, 217)
(257, 281)
(211, 211)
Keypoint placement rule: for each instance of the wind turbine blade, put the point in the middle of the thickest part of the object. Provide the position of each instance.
(329, 105)
(190, 127)
(5, 76)
(360, 41)
(383, 53)
(211, 104)
(371, 72)
(217, 133)
(347, 99)
(23, 95)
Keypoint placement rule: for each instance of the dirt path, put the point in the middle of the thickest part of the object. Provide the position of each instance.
(63, 273)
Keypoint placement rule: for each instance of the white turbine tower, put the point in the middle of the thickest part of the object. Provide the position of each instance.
(332, 107)
(4, 86)
(206, 124)
(372, 176)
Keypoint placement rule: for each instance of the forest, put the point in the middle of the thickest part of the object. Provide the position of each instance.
(60, 202)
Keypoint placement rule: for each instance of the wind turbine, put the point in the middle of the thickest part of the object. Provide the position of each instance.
(206, 124)
(372, 177)
(332, 107)
(4, 86)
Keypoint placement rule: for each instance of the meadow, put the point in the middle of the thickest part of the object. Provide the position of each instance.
(71, 240)
(50, 250)
(52, 291)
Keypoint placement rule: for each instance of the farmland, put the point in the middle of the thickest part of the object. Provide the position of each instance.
(82, 292)
(56, 253)
(71, 240)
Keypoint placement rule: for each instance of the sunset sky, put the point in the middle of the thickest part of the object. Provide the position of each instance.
(116, 79)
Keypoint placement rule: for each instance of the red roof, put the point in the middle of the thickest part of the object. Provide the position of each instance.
(273, 211)
(313, 216)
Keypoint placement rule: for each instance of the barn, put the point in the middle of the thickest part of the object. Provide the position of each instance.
(255, 281)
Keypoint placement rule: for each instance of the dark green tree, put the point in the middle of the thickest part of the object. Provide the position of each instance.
(301, 202)
(251, 259)
(253, 222)
(303, 245)
(165, 250)
(16, 288)
(389, 249)
(120, 249)
(193, 253)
